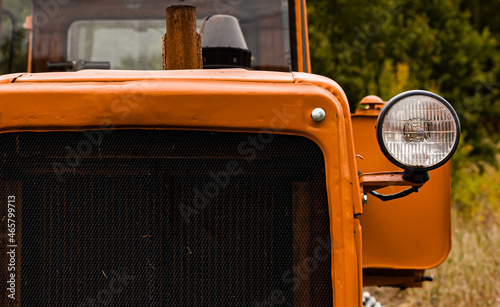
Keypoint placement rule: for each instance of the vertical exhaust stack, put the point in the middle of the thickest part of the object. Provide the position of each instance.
(182, 43)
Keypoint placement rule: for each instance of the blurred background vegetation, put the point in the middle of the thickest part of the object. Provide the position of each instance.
(450, 47)
(20, 9)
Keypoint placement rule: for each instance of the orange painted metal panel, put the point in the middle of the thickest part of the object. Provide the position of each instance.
(298, 26)
(302, 34)
(413, 232)
(222, 100)
(306, 35)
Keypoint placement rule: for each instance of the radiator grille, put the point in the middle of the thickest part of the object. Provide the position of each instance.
(170, 218)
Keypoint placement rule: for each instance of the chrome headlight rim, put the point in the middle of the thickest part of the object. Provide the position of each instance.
(396, 99)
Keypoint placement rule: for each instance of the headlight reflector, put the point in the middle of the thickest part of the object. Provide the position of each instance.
(418, 130)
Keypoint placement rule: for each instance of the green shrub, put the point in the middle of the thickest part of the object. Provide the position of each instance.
(476, 187)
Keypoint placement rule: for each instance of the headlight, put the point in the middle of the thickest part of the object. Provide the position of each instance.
(418, 130)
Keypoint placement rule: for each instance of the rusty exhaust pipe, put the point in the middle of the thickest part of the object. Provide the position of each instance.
(182, 43)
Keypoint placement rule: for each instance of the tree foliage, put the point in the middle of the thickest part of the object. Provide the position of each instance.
(390, 46)
(20, 9)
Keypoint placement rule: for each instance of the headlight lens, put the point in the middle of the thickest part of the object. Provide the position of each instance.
(418, 130)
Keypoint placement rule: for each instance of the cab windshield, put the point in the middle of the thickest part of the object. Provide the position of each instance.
(127, 34)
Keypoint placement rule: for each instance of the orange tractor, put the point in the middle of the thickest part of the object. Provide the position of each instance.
(235, 177)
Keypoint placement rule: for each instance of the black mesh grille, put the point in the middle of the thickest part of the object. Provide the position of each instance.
(170, 218)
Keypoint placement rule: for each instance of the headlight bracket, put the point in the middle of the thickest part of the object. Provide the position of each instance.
(416, 176)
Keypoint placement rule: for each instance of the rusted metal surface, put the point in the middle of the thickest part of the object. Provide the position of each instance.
(182, 40)
(164, 51)
(374, 181)
(199, 50)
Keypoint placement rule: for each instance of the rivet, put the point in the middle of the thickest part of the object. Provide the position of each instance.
(318, 114)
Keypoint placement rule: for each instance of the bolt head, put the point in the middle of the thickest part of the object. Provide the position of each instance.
(318, 114)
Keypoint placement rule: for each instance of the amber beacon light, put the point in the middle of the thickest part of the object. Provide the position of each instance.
(418, 131)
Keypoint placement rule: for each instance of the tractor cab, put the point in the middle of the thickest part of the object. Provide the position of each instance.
(126, 35)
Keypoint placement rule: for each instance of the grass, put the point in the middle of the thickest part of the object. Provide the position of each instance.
(469, 277)
(471, 274)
